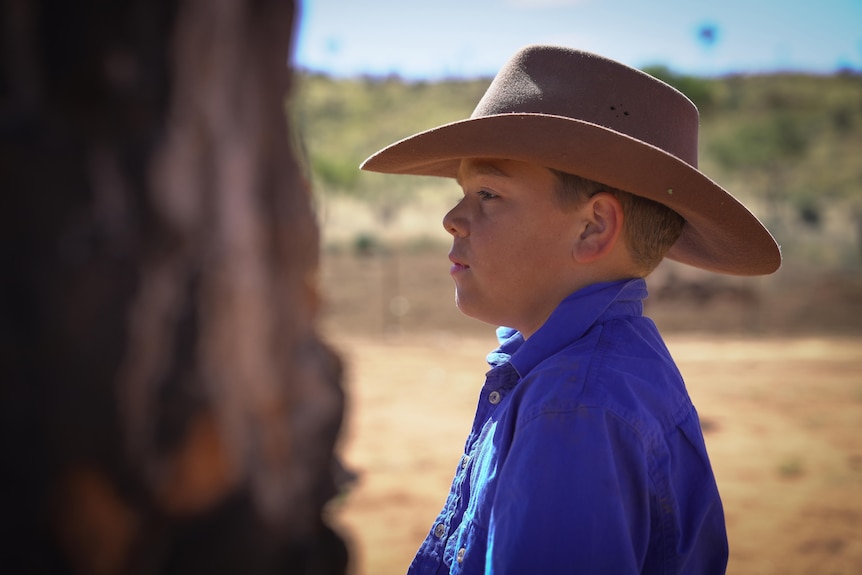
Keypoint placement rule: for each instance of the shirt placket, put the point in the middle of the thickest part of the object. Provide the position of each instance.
(498, 382)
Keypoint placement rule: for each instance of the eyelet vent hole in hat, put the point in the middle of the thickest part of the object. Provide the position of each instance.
(619, 110)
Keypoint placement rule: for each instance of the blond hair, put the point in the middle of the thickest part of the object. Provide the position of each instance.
(650, 228)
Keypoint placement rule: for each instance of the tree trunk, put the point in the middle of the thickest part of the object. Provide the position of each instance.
(166, 403)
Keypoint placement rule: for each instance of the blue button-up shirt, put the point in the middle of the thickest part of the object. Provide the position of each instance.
(585, 456)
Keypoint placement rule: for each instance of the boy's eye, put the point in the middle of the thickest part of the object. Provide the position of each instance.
(486, 195)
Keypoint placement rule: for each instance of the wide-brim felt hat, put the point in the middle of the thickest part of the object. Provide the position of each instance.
(584, 114)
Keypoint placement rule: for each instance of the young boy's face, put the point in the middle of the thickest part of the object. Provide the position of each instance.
(512, 244)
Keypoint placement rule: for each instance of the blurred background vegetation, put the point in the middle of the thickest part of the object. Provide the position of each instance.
(787, 145)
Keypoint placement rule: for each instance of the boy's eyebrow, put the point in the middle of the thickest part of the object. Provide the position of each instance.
(480, 168)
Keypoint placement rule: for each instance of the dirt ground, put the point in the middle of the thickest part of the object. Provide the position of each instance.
(774, 367)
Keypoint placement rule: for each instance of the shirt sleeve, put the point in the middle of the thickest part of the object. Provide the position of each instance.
(572, 496)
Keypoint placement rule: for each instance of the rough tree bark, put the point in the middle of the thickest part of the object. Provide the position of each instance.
(167, 405)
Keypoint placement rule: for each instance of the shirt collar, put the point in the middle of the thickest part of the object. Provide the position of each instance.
(568, 322)
(509, 341)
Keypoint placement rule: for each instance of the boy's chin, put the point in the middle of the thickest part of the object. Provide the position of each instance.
(474, 311)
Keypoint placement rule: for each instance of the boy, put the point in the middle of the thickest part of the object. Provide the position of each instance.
(586, 455)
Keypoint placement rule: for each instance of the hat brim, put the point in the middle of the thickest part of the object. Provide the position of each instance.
(720, 233)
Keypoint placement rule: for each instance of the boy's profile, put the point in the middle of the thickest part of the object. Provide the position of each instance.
(586, 455)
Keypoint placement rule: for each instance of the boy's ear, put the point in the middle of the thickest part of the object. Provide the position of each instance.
(601, 222)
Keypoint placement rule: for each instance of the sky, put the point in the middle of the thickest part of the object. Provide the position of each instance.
(433, 39)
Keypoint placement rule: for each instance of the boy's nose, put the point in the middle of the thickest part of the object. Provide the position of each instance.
(454, 222)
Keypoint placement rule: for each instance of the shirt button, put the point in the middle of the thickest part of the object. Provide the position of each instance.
(464, 461)
(440, 530)
(494, 397)
(460, 557)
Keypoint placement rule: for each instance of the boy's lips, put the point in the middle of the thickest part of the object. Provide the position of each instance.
(457, 265)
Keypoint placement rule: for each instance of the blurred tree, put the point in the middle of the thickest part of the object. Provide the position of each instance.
(166, 404)
(766, 149)
(767, 145)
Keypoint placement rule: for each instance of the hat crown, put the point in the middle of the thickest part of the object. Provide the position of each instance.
(582, 86)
